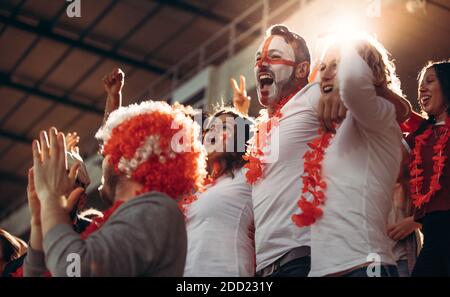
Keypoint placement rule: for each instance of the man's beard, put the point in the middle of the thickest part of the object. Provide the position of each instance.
(283, 89)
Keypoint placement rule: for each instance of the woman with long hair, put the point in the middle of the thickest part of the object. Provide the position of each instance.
(220, 221)
(429, 184)
(351, 173)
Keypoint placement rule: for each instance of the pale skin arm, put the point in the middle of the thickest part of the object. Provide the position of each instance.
(113, 84)
(240, 99)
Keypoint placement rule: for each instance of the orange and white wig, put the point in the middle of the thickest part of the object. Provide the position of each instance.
(156, 145)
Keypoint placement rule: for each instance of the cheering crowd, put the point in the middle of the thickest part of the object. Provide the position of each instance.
(337, 176)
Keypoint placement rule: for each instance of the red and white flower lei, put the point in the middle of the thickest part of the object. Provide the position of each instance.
(313, 182)
(263, 127)
(312, 176)
(416, 182)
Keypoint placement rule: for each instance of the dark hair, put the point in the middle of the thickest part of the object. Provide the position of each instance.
(234, 160)
(10, 248)
(299, 45)
(442, 69)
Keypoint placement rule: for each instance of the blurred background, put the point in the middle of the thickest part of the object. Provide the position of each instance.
(54, 53)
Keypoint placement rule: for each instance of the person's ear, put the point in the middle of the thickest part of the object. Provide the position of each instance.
(302, 70)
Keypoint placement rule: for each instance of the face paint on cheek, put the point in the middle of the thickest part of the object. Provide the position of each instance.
(280, 68)
(272, 93)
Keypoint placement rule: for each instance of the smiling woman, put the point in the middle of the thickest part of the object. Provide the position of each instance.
(220, 222)
(429, 174)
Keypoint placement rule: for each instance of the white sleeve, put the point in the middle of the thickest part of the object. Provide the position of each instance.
(358, 93)
(314, 95)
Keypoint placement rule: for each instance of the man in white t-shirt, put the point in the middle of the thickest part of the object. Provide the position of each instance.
(282, 70)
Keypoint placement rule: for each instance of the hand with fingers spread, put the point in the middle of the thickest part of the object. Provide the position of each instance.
(72, 140)
(240, 99)
(53, 182)
(331, 110)
(51, 178)
(113, 84)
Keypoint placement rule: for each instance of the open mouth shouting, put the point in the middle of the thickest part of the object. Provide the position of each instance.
(265, 80)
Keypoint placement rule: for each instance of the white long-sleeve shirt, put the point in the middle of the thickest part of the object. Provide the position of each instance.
(360, 167)
(220, 230)
(275, 196)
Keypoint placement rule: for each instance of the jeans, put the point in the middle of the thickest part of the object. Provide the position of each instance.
(299, 267)
(385, 271)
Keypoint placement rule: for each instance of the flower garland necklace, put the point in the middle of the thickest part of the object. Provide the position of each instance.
(264, 124)
(313, 182)
(416, 182)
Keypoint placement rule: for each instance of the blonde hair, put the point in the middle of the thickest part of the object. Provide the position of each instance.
(378, 59)
(375, 55)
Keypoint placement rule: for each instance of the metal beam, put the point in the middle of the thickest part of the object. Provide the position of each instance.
(195, 10)
(14, 137)
(6, 81)
(206, 14)
(13, 178)
(14, 12)
(44, 30)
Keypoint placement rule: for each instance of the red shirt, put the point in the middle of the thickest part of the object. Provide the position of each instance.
(441, 200)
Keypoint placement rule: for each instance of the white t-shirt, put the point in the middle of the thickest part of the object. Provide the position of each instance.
(360, 167)
(220, 230)
(275, 196)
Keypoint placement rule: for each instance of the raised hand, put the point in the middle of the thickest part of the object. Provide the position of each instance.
(72, 140)
(114, 81)
(240, 99)
(113, 84)
(51, 177)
